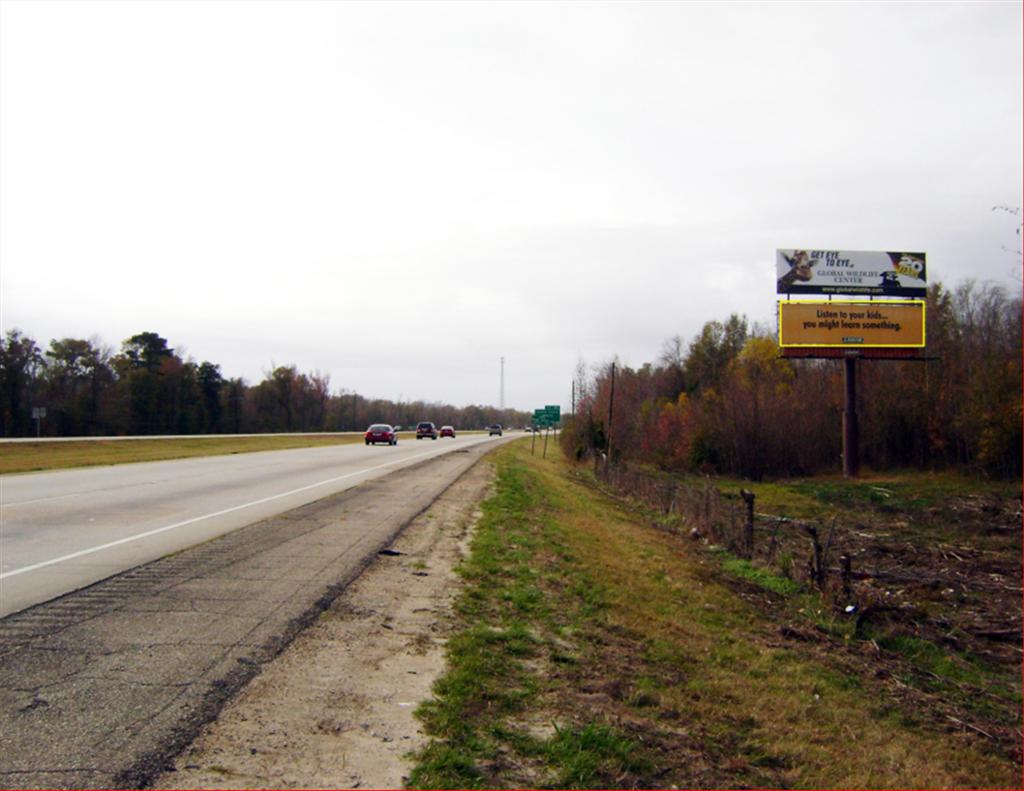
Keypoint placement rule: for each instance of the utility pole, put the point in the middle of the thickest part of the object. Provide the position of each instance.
(575, 426)
(611, 404)
(501, 402)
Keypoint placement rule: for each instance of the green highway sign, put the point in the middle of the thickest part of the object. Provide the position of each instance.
(548, 416)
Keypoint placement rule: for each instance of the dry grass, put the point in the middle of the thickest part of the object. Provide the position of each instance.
(803, 717)
(634, 630)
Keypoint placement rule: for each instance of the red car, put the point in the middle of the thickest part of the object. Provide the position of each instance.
(447, 431)
(381, 432)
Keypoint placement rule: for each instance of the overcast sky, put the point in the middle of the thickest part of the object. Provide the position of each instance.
(400, 194)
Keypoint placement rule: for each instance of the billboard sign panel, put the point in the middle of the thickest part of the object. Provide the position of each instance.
(890, 274)
(852, 325)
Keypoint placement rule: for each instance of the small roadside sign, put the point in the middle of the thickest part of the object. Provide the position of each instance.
(38, 413)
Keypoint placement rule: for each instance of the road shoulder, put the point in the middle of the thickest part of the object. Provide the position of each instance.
(335, 709)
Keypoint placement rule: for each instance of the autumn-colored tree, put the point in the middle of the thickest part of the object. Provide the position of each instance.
(77, 373)
(750, 412)
(139, 368)
(712, 350)
(667, 432)
(211, 385)
(20, 364)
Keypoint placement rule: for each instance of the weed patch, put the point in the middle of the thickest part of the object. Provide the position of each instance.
(764, 578)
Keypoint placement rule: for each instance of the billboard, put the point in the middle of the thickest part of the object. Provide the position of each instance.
(890, 274)
(852, 325)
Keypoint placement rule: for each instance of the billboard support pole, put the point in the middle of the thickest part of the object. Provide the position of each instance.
(851, 429)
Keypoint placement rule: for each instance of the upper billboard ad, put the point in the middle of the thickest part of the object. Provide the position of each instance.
(861, 272)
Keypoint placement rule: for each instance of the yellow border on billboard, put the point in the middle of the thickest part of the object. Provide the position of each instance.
(876, 302)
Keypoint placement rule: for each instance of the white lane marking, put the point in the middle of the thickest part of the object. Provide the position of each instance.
(39, 500)
(148, 533)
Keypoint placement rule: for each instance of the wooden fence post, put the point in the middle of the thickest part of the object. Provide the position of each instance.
(748, 525)
(815, 571)
(844, 564)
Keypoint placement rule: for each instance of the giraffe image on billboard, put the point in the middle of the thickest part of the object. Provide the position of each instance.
(852, 272)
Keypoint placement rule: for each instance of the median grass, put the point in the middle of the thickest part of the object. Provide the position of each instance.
(51, 455)
(592, 650)
(62, 454)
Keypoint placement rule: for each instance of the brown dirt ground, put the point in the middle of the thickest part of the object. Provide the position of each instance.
(335, 709)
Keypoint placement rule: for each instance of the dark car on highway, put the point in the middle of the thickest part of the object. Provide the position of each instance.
(381, 432)
(492, 430)
(426, 429)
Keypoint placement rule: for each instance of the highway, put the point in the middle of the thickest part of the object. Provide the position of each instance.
(101, 686)
(64, 530)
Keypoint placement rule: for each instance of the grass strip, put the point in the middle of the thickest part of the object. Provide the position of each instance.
(43, 455)
(593, 651)
(18, 457)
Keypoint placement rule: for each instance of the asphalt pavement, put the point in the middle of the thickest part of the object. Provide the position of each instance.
(61, 530)
(101, 687)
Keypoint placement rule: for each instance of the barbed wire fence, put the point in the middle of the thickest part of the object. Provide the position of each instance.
(730, 520)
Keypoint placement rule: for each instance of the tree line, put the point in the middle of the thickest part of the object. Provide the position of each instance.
(146, 388)
(728, 402)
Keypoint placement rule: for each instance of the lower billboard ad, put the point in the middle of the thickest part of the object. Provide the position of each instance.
(852, 324)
